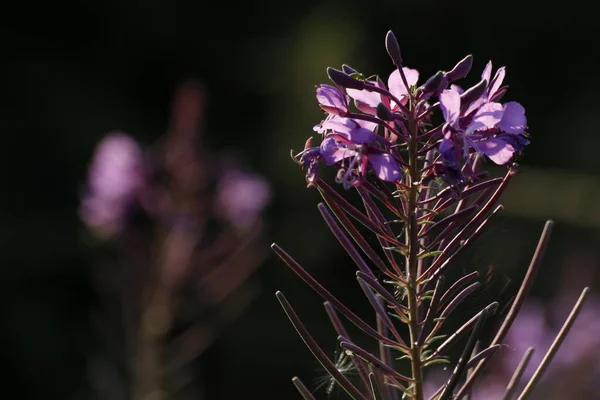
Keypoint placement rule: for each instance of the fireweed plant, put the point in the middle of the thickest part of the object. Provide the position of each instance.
(382, 142)
(186, 226)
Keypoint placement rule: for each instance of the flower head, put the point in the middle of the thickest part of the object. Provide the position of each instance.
(367, 100)
(115, 175)
(241, 197)
(352, 145)
(488, 127)
(332, 100)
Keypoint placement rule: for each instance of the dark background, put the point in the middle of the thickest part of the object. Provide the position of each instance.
(74, 70)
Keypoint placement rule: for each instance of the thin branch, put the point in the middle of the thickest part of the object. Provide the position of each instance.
(341, 331)
(490, 351)
(306, 394)
(385, 354)
(514, 380)
(374, 361)
(518, 302)
(462, 330)
(326, 190)
(359, 239)
(379, 310)
(317, 287)
(461, 365)
(456, 286)
(554, 347)
(431, 311)
(343, 239)
(319, 354)
(436, 269)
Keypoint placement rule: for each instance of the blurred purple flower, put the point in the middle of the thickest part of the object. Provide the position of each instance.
(241, 198)
(537, 326)
(114, 178)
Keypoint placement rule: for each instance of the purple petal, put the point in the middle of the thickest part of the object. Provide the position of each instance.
(496, 149)
(332, 100)
(365, 101)
(396, 85)
(497, 81)
(513, 120)
(518, 141)
(332, 151)
(366, 124)
(446, 145)
(385, 166)
(361, 135)
(457, 89)
(450, 105)
(487, 72)
(345, 126)
(487, 117)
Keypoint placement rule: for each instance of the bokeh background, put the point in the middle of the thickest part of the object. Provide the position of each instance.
(75, 70)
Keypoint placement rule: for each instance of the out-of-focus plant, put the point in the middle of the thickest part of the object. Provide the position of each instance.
(426, 197)
(533, 332)
(185, 224)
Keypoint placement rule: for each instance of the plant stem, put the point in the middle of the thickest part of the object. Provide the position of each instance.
(412, 239)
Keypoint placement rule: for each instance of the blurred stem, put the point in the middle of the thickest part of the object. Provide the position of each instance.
(149, 378)
(412, 233)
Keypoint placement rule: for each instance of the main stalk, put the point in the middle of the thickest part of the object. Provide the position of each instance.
(412, 257)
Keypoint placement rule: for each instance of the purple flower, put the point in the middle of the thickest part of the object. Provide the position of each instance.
(367, 101)
(241, 197)
(513, 117)
(353, 145)
(115, 176)
(488, 127)
(309, 160)
(332, 100)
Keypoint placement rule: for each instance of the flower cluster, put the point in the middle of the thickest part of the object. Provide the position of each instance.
(187, 224)
(386, 142)
(372, 136)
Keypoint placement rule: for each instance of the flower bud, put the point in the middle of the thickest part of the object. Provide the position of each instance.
(342, 79)
(461, 69)
(348, 69)
(434, 83)
(393, 49)
(473, 93)
(384, 113)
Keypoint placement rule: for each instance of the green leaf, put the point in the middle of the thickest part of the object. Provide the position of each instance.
(395, 221)
(431, 254)
(402, 318)
(437, 361)
(436, 338)
(396, 249)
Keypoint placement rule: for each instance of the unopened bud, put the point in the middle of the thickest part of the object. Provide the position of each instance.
(461, 69)
(434, 83)
(384, 113)
(344, 80)
(473, 93)
(348, 69)
(393, 49)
